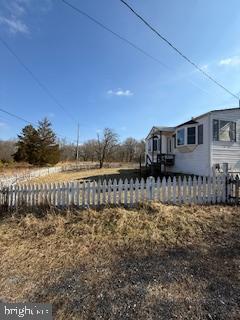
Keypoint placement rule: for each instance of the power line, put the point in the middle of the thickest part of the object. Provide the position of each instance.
(36, 79)
(24, 120)
(179, 52)
(133, 45)
(17, 117)
(114, 33)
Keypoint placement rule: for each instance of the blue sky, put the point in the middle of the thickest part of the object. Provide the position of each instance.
(103, 82)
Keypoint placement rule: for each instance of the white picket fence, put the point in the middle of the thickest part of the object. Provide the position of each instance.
(30, 174)
(27, 175)
(174, 190)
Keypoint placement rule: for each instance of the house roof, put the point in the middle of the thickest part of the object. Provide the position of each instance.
(192, 121)
(218, 110)
(157, 129)
(165, 129)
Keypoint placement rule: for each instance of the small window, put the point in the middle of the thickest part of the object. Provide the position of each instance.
(200, 134)
(155, 144)
(180, 137)
(191, 135)
(224, 130)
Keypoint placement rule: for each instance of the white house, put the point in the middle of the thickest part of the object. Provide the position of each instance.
(199, 146)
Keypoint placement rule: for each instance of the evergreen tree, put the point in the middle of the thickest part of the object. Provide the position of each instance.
(37, 146)
(49, 149)
(28, 146)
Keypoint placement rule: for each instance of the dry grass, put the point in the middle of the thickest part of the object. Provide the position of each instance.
(151, 262)
(93, 174)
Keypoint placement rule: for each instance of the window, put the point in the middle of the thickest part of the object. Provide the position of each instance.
(191, 135)
(200, 134)
(224, 130)
(155, 144)
(180, 137)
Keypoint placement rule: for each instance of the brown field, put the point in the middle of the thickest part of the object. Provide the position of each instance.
(151, 262)
(10, 169)
(93, 174)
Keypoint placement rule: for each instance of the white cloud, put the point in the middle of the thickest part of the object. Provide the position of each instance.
(14, 13)
(120, 92)
(233, 61)
(14, 25)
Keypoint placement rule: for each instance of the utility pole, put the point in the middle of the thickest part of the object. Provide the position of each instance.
(77, 153)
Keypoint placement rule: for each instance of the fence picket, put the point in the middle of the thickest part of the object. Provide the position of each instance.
(164, 190)
(137, 190)
(180, 198)
(174, 190)
(131, 192)
(148, 189)
(93, 193)
(189, 189)
(199, 190)
(82, 194)
(120, 183)
(125, 192)
(204, 190)
(99, 185)
(114, 191)
(88, 192)
(104, 191)
(214, 189)
(169, 190)
(109, 190)
(194, 190)
(184, 193)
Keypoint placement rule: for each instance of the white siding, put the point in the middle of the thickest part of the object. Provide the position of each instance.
(226, 151)
(196, 161)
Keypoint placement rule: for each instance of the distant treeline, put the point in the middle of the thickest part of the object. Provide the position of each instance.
(40, 146)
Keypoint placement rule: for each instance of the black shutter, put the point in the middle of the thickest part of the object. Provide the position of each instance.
(215, 130)
(200, 134)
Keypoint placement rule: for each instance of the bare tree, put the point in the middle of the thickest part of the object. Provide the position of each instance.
(7, 149)
(130, 147)
(106, 145)
(88, 150)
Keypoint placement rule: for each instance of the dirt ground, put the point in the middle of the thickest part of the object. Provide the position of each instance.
(151, 262)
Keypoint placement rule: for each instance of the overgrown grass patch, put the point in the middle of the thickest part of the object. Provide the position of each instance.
(151, 262)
